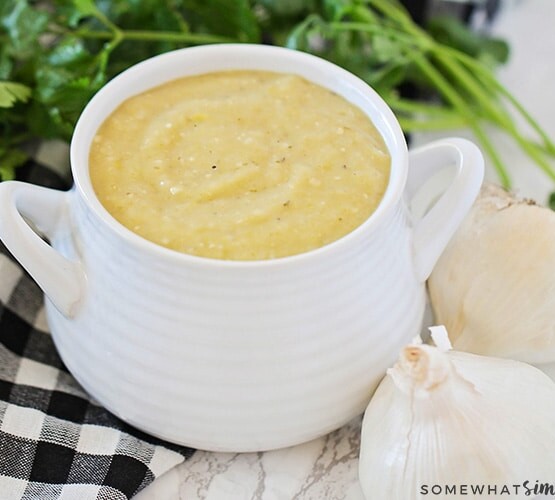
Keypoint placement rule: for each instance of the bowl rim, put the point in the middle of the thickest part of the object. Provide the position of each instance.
(218, 57)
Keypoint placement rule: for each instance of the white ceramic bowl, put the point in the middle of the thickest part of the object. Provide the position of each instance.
(224, 355)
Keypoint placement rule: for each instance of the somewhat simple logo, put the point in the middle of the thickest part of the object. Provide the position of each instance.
(528, 488)
(538, 488)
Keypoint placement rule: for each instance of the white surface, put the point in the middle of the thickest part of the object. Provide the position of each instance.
(326, 468)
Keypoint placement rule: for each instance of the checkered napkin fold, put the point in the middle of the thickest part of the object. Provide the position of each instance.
(56, 442)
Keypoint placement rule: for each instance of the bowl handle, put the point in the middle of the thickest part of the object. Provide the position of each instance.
(433, 231)
(61, 279)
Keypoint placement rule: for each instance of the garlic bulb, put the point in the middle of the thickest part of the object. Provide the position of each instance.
(494, 286)
(548, 369)
(443, 420)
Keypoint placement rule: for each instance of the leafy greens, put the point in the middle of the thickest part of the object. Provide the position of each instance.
(54, 55)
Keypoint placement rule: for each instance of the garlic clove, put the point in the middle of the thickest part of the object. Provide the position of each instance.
(548, 369)
(452, 418)
(494, 286)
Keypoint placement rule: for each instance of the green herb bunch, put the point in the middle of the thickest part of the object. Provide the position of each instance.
(54, 55)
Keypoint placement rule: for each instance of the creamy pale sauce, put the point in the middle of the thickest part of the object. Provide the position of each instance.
(240, 165)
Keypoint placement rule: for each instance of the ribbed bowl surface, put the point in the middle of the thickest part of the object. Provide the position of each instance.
(239, 357)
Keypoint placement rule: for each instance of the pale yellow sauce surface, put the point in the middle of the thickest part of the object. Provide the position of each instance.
(241, 165)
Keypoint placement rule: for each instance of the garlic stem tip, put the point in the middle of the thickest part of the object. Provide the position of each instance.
(441, 338)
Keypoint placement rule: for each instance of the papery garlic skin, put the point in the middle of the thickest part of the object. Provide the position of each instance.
(494, 286)
(453, 419)
(548, 369)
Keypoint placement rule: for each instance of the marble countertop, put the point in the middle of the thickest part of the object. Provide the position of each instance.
(326, 468)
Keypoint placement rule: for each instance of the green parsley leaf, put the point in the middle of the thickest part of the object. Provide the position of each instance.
(55, 54)
(85, 7)
(12, 92)
(9, 160)
(23, 24)
(222, 17)
(449, 31)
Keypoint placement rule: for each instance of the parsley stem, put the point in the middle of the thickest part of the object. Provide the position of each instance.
(430, 124)
(414, 38)
(496, 113)
(548, 143)
(466, 81)
(479, 70)
(373, 29)
(450, 94)
(397, 13)
(533, 153)
(155, 36)
(416, 107)
(417, 116)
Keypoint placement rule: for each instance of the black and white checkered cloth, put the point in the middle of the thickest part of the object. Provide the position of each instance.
(55, 441)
